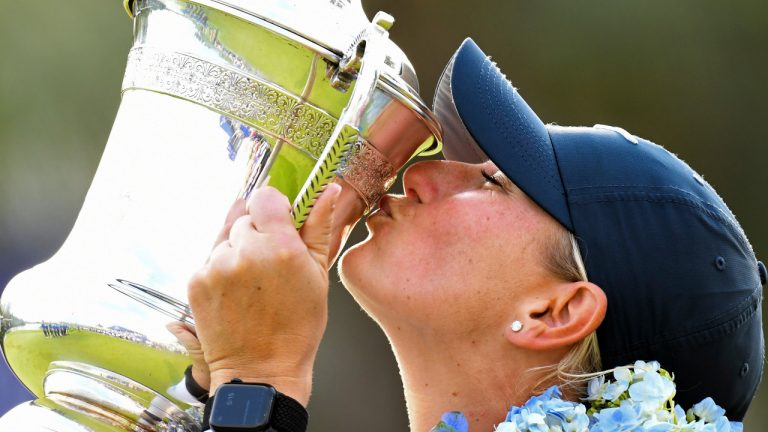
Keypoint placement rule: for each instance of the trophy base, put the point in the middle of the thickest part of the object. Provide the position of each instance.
(80, 398)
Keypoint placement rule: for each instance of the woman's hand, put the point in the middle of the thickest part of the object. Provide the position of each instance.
(187, 337)
(260, 302)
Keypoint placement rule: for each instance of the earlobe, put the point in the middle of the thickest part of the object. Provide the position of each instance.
(572, 313)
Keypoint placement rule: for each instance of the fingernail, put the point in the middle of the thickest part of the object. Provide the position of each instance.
(333, 188)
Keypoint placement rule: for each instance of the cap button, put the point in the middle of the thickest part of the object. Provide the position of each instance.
(763, 272)
(744, 369)
(720, 263)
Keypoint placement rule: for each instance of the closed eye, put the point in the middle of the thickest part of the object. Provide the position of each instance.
(490, 179)
(498, 179)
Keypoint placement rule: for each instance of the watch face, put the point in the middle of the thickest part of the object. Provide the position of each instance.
(242, 407)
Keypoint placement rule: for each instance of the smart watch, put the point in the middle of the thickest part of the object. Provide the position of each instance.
(251, 407)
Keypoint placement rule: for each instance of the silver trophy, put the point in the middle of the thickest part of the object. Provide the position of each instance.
(219, 97)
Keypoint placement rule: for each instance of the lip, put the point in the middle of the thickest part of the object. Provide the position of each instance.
(384, 206)
(382, 212)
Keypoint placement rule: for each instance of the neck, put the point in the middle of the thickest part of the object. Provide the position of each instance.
(480, 378)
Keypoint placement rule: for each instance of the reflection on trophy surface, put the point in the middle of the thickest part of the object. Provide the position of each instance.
(219, 97)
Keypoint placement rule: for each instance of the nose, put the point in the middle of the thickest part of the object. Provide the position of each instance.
(430, 180)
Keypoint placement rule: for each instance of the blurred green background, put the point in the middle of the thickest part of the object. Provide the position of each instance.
(688, 74)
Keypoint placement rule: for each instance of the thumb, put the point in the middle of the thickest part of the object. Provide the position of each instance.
(316, 232)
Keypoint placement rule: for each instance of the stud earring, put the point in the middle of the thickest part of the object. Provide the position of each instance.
(517, 326)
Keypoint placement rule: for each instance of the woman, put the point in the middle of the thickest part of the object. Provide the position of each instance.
(478, 274)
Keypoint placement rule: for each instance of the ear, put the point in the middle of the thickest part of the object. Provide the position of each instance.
(571, 313)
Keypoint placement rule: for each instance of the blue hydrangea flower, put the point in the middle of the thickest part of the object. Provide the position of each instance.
(708, 410)
(596, 388)
(642, 367)
(737, 427)
(661, 427)
(546, 412)
(452, 421)
(623, 376)
(507, 427)
(599, 389)
(627, 417)
(652, 392)
(638, 399)
(680, 418)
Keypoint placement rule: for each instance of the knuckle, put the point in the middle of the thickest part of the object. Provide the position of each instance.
(196, 285)
(272, 195)
(218, 271)
(241, 222)
(288, 250)
(284, 255)
(245, 261)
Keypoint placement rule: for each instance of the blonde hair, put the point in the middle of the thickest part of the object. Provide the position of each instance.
(582, 362)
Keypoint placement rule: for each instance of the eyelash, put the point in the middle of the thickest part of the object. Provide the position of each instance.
(489, 178)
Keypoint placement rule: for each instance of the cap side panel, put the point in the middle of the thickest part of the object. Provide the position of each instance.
(680, 276)
(675, 311)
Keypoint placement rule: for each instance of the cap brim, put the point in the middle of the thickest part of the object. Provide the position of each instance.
(483, 117)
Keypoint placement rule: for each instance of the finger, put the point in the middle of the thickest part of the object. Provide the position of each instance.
(190, 328)
(220, 253)
(235, 211)
(173, 327)
(242, 231)
(177, 328)
(316, 231)
(270, 211)
(182, 333)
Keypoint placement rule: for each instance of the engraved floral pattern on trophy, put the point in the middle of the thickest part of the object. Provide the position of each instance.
(309, 129)
(275, 112)
(368, 171)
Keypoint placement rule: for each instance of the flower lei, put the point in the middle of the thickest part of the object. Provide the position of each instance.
(638, 399)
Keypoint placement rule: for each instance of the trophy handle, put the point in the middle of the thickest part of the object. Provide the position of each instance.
(361, 64)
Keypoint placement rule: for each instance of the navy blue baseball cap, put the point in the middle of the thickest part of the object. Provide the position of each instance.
(682, 282)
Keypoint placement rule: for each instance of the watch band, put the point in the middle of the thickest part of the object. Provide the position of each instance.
(194, 389)
(207, 414)
(288, 415)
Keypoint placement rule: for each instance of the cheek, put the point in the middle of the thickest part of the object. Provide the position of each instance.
(456, 264)
(433, 257)
(473, 237)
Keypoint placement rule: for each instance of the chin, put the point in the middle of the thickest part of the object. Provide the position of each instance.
(351, 265)
(355, 262)
(359, 272)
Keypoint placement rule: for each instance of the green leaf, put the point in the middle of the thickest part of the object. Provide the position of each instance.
(443, 427)
(323, 174)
